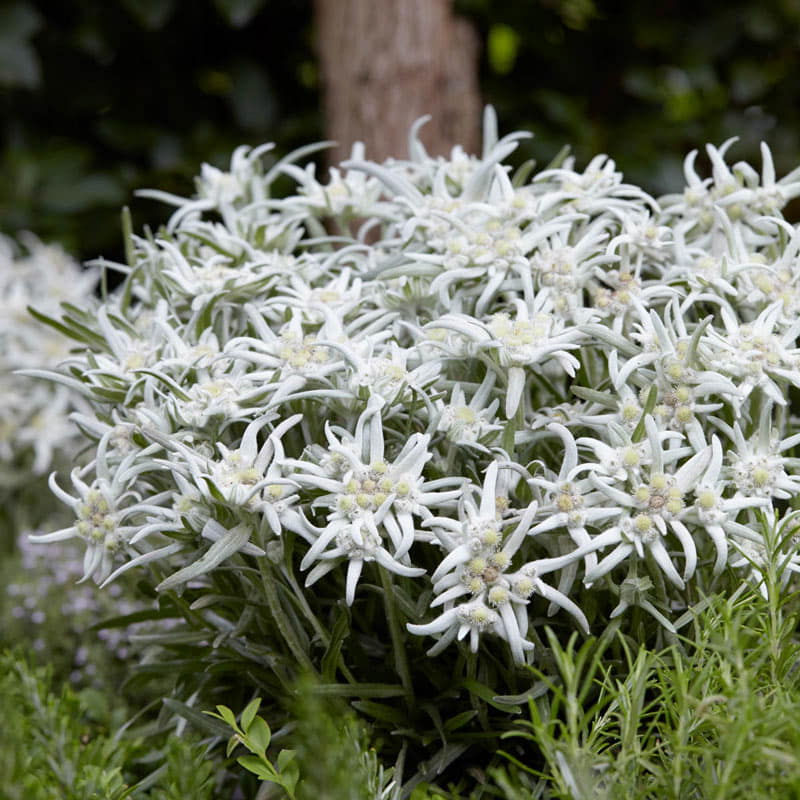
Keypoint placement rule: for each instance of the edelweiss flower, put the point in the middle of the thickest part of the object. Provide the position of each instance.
(293, 358)
(565, 269)
(383, 372)
(755, 354)
(595, 190)
(466, 424)
(715, 514)
(352, 194)
(373, 501)
(648, 512)
(509, 346)
(572, 503)
(752, 201)
(108, 511)
(247, 477)
(757, 465)
(478, 564)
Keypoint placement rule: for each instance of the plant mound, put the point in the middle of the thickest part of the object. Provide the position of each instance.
(385, 428)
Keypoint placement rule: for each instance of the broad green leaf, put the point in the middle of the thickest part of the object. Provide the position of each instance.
(285, 758)
(258, 735)
(249, 713)
(255, 765)
(227, 715)
(290, 776)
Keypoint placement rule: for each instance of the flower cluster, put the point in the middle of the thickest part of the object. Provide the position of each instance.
(35, 432)
(504, 391)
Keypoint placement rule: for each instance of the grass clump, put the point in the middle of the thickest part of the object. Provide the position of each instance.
(714, 715)
(75, 746)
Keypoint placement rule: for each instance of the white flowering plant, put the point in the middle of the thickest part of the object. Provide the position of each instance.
(36, 435)
(387, 428)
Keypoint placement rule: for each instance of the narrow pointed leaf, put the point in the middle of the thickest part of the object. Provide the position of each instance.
(223, 548)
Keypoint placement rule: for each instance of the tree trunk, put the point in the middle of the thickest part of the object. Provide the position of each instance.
(385, 63)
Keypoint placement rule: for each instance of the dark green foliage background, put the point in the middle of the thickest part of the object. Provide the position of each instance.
(98, 99)
(645, 82)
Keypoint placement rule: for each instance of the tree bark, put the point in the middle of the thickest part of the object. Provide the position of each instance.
(385, 63)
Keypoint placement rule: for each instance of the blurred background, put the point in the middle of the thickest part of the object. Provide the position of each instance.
(98, 99)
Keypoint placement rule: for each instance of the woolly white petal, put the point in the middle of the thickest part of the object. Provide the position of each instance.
(441, 623)
(663, 560)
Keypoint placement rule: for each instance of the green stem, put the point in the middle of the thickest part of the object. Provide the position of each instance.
(396, 632)
(315, 623)
(271, 594)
